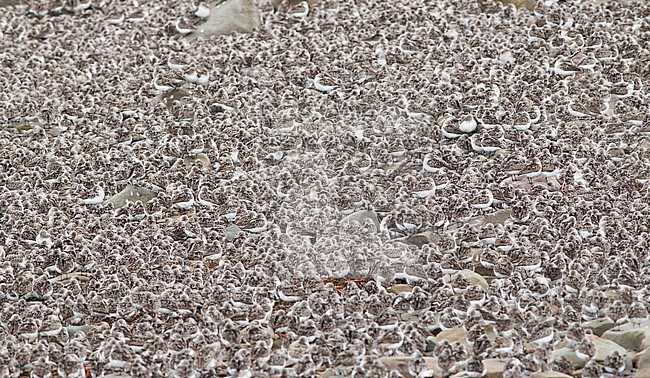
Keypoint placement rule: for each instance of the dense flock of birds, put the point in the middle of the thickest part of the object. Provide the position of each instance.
(248, 150)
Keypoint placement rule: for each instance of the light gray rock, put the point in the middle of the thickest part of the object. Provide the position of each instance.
(453, 335)
(362, 216)
(499, 217)
(200, 157)
(72, 330)
(131, 194)
(549, 374)
(606, 347)
(417, 240)
(494, 367)
(232, 231)
(603, 349)
(399, 288)
(631, 337)
(331, 373)
(240, 16)
(598, 326)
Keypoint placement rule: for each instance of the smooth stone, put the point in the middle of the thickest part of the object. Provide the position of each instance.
(606, 347)
(232, 231)
(330, 373)
(361, 216)
(549, 374)
(400, 363)
(200, 157)
(399, 288)
(603, 349)
(598, 326)
(499, 217)
(72, 330)
(417, 240)
(629, 336)
(431, 236)
(456, 334)
(67, 277)
(241, 16)
(410, 317)
(131, 194)
(494, 367)
(473, 277)
(643, 365)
